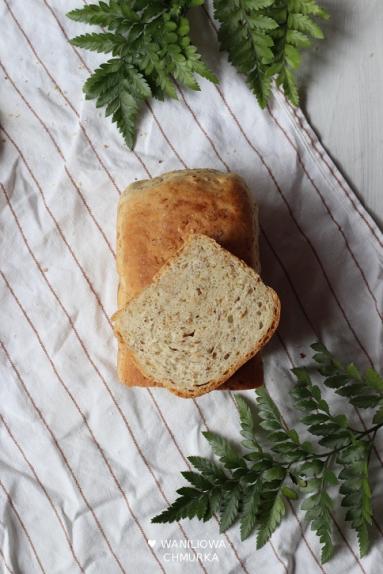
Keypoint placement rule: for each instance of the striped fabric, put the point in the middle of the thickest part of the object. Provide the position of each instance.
(85, 462)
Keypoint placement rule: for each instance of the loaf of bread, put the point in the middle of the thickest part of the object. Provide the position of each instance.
(204, 314)
(154, 219)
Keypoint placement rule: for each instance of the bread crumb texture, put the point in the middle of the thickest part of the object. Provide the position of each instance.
(203, 315)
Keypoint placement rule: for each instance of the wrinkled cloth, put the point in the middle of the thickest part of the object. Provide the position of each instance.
(85, 462)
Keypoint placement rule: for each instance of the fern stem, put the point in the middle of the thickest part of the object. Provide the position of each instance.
(329, 453)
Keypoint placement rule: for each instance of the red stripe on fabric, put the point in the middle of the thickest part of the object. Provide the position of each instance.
(286, 273)
(32, 469)
(317, 147)
(348, 545)
(57, 298)
(202, 129)
(5, 562)
(278, 557)
(12, 505)
(56, 222)
(59, 151)
(55, 441)
(83, 417)
(68, 101)
(165, 136)
(327, 209)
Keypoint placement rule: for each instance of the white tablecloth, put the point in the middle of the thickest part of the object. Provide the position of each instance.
(85, 462)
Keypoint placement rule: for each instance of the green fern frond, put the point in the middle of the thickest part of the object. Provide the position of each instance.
(151, 48)
(264, 39)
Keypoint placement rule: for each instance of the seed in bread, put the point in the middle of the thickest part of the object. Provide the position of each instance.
(203, 316)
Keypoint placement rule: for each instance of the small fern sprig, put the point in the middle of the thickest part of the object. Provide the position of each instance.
(264, 38)
(362, 390)
(245, 34)
(279, 465)
(151, 48)
(297, 29)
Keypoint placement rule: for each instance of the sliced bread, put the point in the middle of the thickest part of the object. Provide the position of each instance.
(156, 216)
(203, 316)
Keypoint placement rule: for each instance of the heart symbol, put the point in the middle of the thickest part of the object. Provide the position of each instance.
(152, 543)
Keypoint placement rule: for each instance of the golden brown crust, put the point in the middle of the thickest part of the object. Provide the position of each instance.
(185, 393)
(154, 219)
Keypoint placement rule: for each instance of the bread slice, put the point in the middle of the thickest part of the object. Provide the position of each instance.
(156, 216)
(203, 316)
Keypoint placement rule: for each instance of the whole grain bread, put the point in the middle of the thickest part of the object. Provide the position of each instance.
(156, 216)
(204, 314)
